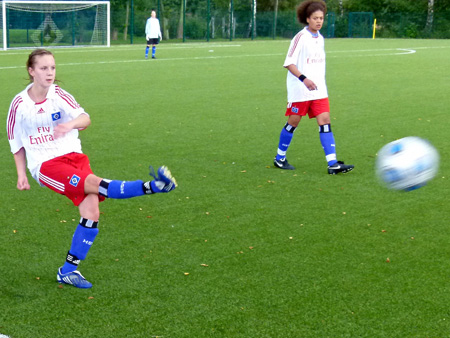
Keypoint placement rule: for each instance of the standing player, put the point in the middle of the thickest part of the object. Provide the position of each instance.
(306, 87)
(42, 126)
(153, 34)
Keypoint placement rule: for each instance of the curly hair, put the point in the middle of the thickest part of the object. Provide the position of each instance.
(308, 7)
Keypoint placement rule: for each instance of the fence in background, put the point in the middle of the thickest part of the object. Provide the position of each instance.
(211, 22)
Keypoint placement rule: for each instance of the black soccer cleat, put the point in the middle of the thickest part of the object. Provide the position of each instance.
(283, 164)
(339, 167)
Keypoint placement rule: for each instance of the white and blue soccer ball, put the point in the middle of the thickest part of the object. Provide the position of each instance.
(407, 164)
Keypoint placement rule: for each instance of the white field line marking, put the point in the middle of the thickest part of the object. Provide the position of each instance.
(396, 51)
(151, 61)
(71, 50)
(399, 51)
(386, 49)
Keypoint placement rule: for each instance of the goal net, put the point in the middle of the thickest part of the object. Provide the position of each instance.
(34, 23)
(360, 24)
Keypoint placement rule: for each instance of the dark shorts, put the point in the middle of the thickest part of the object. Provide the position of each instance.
(153, 41)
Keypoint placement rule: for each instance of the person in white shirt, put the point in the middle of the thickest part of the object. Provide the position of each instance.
(152, 33)
(42, 125)
(306, 86)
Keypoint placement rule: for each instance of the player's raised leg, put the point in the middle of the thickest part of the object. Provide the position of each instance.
(87, 229)
(163, 182)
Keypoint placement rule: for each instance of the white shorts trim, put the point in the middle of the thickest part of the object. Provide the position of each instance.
(51, 182)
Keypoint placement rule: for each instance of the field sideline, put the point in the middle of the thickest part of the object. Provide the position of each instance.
(240, 249)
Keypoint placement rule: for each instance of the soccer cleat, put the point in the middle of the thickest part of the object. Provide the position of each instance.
(153, 57)
(339, 167)
(74, 278)
(283, 164)
(163, 181)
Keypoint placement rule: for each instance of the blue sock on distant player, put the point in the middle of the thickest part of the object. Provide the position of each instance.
(327, 140)
(153, 51)
(121, 189)
(146, 51)
(81, 243)
(287, 133)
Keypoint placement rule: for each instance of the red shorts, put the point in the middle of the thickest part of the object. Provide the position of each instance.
(66, 175)
(312, 108)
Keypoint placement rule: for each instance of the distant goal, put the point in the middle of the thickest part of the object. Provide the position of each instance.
(30, 24)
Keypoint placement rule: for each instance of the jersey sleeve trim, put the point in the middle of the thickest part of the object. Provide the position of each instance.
(67, 97)
(12, 116)
(294, 44)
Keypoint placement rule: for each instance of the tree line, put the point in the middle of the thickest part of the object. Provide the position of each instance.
(131, 14)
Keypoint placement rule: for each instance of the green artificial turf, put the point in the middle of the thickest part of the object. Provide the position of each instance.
(240, 249)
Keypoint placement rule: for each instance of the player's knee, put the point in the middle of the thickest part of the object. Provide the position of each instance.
(91, 213)
(323, 119)
(89, 207)
(94, 214)
(294, 120)
(91, 184)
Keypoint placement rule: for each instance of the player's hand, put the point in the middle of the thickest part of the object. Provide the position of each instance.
(22, 183)
(310, 84)
(61, 129)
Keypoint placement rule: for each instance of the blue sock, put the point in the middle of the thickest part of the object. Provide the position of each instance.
(121, 189)
(328, 145)
(153, 51)
(69, 267)
(285, 140)
(146, 52)
(81, 243)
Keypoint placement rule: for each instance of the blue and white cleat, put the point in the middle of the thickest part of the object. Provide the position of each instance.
(74, 278)
(163, 181)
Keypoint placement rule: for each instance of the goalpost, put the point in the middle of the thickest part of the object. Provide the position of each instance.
(36, 23)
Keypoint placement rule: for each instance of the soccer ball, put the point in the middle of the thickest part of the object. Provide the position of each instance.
(407, 164)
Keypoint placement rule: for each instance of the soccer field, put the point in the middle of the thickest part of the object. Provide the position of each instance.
(240, 249)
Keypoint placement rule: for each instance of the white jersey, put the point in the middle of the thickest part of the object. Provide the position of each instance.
(152, 29)
(307, 52)
(30, 126)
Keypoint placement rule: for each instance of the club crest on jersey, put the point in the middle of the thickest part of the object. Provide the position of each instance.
(294, 110)
(74, 180)
(56, 116)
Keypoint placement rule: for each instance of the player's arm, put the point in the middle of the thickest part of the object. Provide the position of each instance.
(21, 166)
(302, 77)
(81, 122)
(147, 29)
